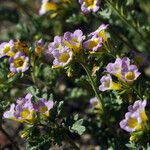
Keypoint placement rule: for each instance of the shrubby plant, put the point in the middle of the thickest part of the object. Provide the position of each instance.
(75, 68)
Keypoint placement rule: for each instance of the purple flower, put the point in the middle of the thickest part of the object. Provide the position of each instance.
(40, 42)
(122, 69)
(6, 48)
(22, 111)
(57, 44)
(61, 53)
(139, 106)
(94, 101)
(95, 104)
(115, 68)
(10, 114)
(19, 62)
(131, 73)
(24, 108)
(108, 84)
(89, 5)
(135, 118)
(74, 40)
(44, 106)
(132, 122)
(100, 32)
(62, 58)
(39, 46)
(94, 44)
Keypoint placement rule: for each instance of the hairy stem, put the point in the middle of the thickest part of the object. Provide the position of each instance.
(123, 18)
(93, 84)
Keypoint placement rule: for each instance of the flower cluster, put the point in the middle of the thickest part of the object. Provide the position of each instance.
(89, 5)
(136, 118)
(63, 48)
(17, 53)
(123, 70)
(25, 110)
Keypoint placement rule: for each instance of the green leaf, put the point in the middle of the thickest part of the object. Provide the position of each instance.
(78, 127)
(131, 146)
(59, 107)
(106, 13)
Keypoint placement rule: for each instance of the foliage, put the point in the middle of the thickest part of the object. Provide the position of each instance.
(71, 86)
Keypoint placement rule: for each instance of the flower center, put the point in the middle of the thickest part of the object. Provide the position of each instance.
(132, 123)
(75, 40)
(43, 109)
(103, 35)
(50, 6)
(93, 43)
(25, 113)
(6, 49)
(18, 62)
(89, 3)
(130, 76)
(107, 83)
(64, 57)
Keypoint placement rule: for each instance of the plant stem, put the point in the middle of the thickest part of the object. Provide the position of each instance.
(68, 139)
(126, 21)
(138, 94)
(93, 84)
(14, 144)
(71, 142)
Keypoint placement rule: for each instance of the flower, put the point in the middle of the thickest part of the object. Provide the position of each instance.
(122, 69)
(108, 84)
(100, 32)
(132, 122)
(116, 67)
(94, 101)
(19, 62)
(22, 47)
(44, 106)
(57, 44)
(94, 44)
(140, 107)
(10, 114)
(131, 73)
(74, 40)
(135, 118)
(23, 111)
(62, 58)
(89, 5)
(6, 48)
(95, 104)
(61, 53)
(47, 6)
(39, 46)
